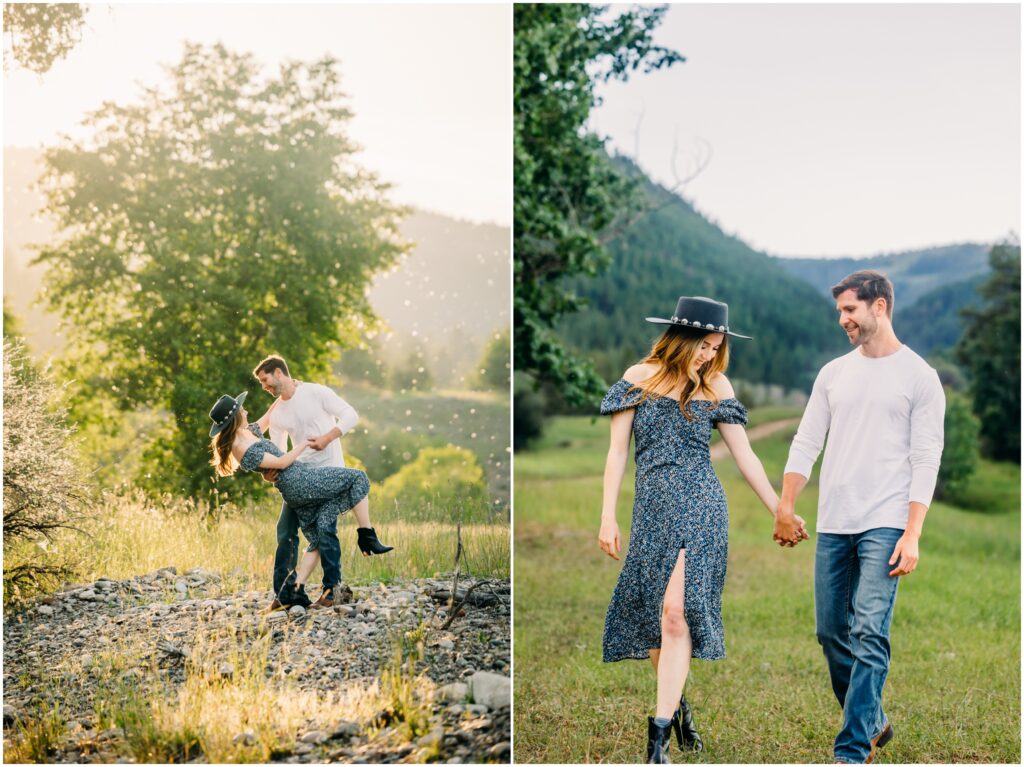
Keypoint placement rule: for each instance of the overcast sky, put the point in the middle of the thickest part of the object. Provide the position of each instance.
(430, 85)
(835, 129)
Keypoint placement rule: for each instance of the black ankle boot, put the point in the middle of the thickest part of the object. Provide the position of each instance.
(290, 594)
(369, 543)
(686, 733)
(657, 742)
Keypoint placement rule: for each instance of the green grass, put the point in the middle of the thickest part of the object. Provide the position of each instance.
(954, 686)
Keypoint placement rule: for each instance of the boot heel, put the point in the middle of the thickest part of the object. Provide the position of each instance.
(657, 742)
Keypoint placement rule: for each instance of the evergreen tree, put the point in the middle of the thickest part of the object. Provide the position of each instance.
(990, 350)
(568, 195)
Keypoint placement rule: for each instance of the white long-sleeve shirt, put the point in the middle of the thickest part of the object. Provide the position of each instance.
(311, 411)
(884, 420)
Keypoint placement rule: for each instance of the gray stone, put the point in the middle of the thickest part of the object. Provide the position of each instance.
(345, 729)
(446, 644)
(44, 610)
(246, 738)
(456, 691)
(302, 748)
(88, 595)
(500, 751)
(433, 738)
(276, 617)
(9, 716)
(314, 736)
(181, 587)
(296, 611)
(226, 670)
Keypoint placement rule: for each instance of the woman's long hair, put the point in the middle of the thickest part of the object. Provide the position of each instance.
(673, 353)
(223, 462)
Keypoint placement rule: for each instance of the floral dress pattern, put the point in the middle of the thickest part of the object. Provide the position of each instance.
(679, 504)
(317, 494)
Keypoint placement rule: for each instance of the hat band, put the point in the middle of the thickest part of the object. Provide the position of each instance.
(227, 418)
(696, 324)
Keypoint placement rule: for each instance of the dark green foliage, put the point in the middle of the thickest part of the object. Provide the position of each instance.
(41, 34)
(990, 350)
(960, 449)
(913, 273)
(569, 198)
(935, 321)
(528, 409)
(494, 368)
(215, 221)
(672, 251)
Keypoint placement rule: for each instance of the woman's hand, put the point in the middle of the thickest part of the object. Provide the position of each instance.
(609, 539)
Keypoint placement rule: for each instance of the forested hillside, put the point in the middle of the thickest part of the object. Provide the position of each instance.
(913, 273)
(671, 250)
(934, 321)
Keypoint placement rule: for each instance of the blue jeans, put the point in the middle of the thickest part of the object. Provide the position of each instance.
(854, 597)
(287, 555)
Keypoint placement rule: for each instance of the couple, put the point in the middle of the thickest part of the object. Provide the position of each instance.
(312, 477)
(882, 408)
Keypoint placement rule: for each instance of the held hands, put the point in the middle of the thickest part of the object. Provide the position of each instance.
(789, 528)
(907, 553)
(609, 540)
(270, 475)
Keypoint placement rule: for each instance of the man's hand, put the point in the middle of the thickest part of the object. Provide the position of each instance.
(789, 528)
(609, 539)
(270, 475)
(906, 553)
(319, 443)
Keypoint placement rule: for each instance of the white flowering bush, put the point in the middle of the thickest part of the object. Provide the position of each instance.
(45, 490)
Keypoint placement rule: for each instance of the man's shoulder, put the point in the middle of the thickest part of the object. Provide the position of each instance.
(830, 367)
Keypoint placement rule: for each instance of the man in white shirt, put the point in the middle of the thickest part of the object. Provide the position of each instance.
(882, 407)
(311, 411)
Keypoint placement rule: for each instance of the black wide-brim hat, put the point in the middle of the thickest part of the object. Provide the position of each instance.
(224, 411)
(700, 313)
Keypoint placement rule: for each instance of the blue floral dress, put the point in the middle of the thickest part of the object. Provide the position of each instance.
(679, 504)
(317, 494)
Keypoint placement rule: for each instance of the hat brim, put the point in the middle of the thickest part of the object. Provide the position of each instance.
(218, 428)
(660, 321)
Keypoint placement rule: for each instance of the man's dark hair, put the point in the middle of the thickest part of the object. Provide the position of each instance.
(870, 286)
(270, 364)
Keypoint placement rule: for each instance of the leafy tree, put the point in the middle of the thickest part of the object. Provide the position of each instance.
(494, 372)
(40, 34)
(960, 448)
(527, 415)
(568, 195)
(208, 225)
(990, 350)
(44, 486)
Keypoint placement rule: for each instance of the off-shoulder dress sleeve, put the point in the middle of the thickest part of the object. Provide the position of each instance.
(253, 455)
(729, 411)
(617, 398)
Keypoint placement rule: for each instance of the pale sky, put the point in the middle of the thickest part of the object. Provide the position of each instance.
(835, 129)
(430, 85)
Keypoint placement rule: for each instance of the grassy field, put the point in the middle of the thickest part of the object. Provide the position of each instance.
(477, 421)
(135, 535)
(953, 690)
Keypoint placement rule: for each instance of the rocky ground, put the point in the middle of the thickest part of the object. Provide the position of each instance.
(156, 634)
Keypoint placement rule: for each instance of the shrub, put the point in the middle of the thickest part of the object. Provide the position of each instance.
(385, 452)
(528, 407)
(440, 483)
(960, 451)
(44, 487)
